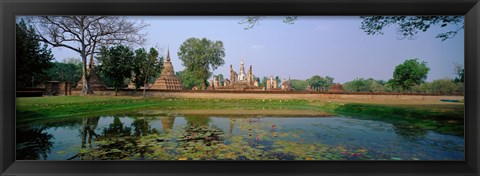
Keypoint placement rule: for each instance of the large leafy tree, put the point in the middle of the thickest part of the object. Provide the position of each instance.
(410, 73)
(83, 34)
(320, 82)
(147, 66)
(32, 58)
(409, 26)
(117, 64)
(200, 57)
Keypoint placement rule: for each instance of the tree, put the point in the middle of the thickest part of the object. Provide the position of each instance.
(317, 81)
(409, 26)
(220, 79)
(199, 56)
(83, 34)
(32, 59)
(299, 84)
(441, 86)
(69, 72)
(264, 81)
(146, 67)
(140, 62)
(364, 85)
(279, 81)
(117, 64)
(460, 71)
(410, 73)
(188, 81)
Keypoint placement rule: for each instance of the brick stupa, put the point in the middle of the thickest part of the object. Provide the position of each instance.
(336, 88)
(167, 80)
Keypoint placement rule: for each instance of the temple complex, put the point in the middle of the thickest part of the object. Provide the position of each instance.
(167, 80)
(238, 81)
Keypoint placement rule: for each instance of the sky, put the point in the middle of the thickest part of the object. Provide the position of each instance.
(313, 45)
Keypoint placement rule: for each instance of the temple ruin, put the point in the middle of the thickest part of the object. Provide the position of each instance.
(95, 82)
(238, 81)
(167, 80)
(336, 88)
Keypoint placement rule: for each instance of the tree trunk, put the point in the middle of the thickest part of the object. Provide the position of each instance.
(204, 85)
(116, 91)
(86, 89)
(145, 84)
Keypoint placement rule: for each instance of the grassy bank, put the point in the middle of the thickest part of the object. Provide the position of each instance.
(441, 117)
(58, 107)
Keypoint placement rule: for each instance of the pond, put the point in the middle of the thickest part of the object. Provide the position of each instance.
(203, 137)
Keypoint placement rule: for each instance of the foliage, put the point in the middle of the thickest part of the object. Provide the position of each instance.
(139, 66)
(252, 21)
(83, 34)
(441, 86)
(409, 74)
(364, 85)
(317, 81)
(32, 59)
(220, 79)
(116, 63)
(147, 67)
(264, 81)
(33, 143)
(409, 26)
(460, 71)
(187, 79)
(299, 84)
(279, 81)
(66, 71)
(199, 56)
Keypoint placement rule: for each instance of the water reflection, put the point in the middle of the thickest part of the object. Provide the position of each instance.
(87, 133)
(167, 123)
(33, 143)
(409, 131)
(202, 137)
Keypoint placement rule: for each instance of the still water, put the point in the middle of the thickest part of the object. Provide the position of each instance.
(232, 138)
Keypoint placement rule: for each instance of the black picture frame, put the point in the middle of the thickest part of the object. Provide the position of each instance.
(9, 9)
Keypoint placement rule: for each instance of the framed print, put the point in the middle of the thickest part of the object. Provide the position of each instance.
(253, 87)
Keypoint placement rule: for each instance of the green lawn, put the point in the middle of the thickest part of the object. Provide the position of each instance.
(447, 118)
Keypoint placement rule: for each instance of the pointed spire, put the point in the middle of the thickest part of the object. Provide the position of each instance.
(168, 54)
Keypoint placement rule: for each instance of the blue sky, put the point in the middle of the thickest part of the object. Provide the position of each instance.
(314, 45)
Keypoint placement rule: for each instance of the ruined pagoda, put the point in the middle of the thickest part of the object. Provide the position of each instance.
(95, 82)
(167, 80)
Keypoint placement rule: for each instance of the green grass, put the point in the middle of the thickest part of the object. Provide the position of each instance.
(447, 118)
(29, 109)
